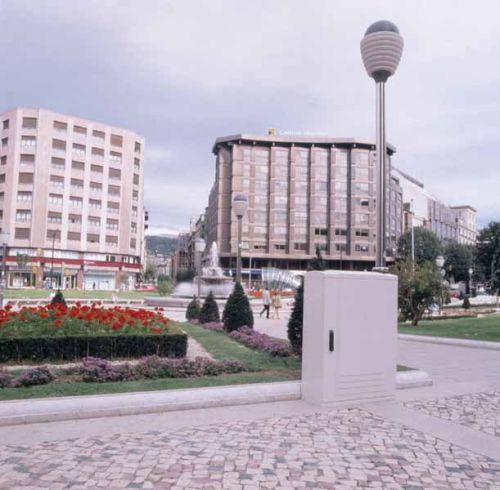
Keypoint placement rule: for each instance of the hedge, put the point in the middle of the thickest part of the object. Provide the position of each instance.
(72, 348)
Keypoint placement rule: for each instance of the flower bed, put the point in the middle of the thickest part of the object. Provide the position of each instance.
(95, 370)
(57, 333)
(253, 339)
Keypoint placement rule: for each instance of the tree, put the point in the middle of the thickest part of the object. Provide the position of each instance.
(418, 289)
(317, 263)
(193, 309)
(58, 298)
(237, 312)
(459, 258)
(150, 273)
(296, 320)
(184, 274)
(486, 245)
(427, 245)
(164, 287)
(495, 265)
(209, 311)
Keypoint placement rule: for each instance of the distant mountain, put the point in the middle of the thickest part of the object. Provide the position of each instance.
(161, 244)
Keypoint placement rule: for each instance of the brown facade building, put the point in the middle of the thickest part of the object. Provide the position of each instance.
(303, 193)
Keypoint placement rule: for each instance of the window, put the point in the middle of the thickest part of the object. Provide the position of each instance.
(75, 219)
(340, 232)
(98, 134)
(76, 201)
(59, 145)
(94, 221)
(320, 231)
(116, 140)
(115, 174)
(133, 243)
(361, 218)
(340, 247)
(361, 188)
(94, 203)
(2, 196)
(137, 147)
(137, 164)
(78, 149)
(114, 208)
(77, 183)
(134, 211)
(361, 248)
(5, 141)
(363, 233)
(54, 234)
(25, 178)
(96, 186)
(280, 247)
(56, 199)
(92, 238)
(96, 169)
(135, 195)
(111, 240)
(22, 233)
(57, 163)
(80, 130)
(74, 236)
(113, 190)
(364, 203)
(5, 124)
(2, 178)
(77, 165)
(56, 180)
(300, 246)
(3, 160)
(99, 152)
(340, 204)
(115, 157)
(23, 215)
(29, 122)
(24, 196)
(54, 217)
(60, 127)
(341, 187)
(112, 224)
(133, 227)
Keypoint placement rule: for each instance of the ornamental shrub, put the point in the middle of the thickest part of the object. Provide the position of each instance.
(466, 303)
(296, 320)
(209, 311)
(164, 287)
(97, 370)
(193, 309)
(58, 298)
(35, 376)
(237, 312)
(261, 341)
(214, 326)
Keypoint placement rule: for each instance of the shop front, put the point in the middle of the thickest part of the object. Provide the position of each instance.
(99, 280)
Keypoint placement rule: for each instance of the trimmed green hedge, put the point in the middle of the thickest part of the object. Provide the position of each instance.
(72, 348)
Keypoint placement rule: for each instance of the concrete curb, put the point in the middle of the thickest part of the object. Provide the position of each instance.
(86, 407)
(474, 344)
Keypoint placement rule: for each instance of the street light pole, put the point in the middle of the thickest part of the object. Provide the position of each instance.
(381, 50)
(412, 237)
(240, 206)
(3, 279)
(199, 248)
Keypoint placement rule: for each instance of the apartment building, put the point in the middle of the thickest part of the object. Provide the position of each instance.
(71, 201)
(303, 192)
(449, 223)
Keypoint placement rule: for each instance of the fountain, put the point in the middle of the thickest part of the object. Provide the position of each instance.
(212, 279)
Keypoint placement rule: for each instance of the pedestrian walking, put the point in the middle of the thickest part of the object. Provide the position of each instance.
(276, 305)
(266, 301)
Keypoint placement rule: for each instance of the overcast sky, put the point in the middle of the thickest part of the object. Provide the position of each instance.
(185, 72)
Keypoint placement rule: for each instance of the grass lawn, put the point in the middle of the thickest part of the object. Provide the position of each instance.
(485, 328)
(75, 293)
(262, 368)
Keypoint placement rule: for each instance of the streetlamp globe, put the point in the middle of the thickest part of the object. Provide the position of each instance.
(440, 261)
(381, 50)
(240, 204)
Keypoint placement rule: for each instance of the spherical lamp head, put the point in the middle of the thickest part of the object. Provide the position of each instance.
(240, 205)
(440, 261)
(381, 50)
(199, 245)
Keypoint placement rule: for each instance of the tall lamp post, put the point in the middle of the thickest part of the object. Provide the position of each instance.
(3, 278)
(471, 271)
(240, 206)
(199, 247)
(381, 50)
(440, 265)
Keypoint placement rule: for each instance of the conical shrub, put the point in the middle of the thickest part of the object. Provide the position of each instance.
(209, 311)
(193, 309)
(58, 298)
(237, 312)
(295, 323)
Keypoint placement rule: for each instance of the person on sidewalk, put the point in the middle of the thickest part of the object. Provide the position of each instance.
(276, 305)
(266, 301)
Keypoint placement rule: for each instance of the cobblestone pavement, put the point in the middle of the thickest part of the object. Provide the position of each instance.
(348, 448)
(479, 411)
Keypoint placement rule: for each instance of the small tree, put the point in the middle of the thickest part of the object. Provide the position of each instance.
(418, 288)
(164, 287)
(427, 245)
(193, 309)
(237, 312)
(495, 265)
(58, 298)
(209, 311)
(318, 262)
(466, 303)
(296, 320)
(150, 273)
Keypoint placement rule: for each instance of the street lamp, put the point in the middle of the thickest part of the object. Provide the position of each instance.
(199, 248)
(381, 50)
(240, 206)
(3, 277)
(471, 271)
(440, 265)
